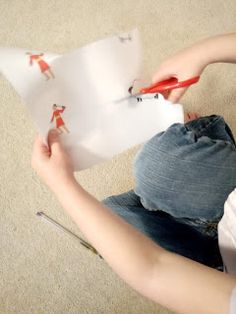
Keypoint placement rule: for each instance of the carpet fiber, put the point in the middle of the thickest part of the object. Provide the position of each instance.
(43, 270)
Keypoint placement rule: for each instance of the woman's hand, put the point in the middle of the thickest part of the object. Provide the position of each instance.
(184, 65)
(192, 61)
(52, 163)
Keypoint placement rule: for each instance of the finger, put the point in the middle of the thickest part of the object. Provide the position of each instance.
(176, 94)
(165, 94)
(39, 148)
(196, 115)
(54, 142)
(40, 152)
(190, 116)
(186, 117)
(161, 76)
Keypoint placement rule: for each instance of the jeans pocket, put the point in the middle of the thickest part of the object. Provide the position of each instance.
(214, 127)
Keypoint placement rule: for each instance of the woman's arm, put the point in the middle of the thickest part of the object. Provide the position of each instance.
(171, 280)
(221, 48)
(31, 60)
(192, 61)
(52, 117)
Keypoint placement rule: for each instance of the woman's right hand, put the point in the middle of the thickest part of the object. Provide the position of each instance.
(184, 65)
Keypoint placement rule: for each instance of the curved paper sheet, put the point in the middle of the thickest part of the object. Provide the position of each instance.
(90, 90)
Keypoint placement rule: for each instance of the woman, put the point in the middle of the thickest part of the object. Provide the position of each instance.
(172, 280)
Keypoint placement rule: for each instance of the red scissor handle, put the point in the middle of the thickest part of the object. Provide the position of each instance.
(169, 84)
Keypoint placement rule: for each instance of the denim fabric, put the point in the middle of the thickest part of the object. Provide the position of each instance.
(182, 179)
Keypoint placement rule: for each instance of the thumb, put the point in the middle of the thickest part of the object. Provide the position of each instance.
(175, 95)
(54, 141)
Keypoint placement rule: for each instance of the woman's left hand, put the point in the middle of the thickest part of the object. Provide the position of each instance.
(52, 163)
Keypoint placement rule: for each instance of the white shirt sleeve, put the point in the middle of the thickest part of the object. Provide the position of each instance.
(227, 242)
(233, 302)
(227, 234)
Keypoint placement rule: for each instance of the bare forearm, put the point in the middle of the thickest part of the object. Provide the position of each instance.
(126, 250)
(165, 277)
(221, 48)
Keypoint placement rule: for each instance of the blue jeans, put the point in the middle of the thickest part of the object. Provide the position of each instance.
(182, 179)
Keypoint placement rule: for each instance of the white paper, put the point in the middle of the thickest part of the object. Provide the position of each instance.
(95, 112)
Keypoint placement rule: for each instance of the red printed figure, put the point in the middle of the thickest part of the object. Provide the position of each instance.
(60, 124)
(44, 67)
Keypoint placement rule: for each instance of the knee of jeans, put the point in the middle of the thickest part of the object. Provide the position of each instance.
(190, 179)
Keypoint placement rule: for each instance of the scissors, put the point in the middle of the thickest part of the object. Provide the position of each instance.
(160, 87)
(168, 85)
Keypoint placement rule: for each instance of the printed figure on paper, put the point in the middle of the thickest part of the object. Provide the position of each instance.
(125, 39)
(140, 96)
(43, 65)
(130, 89)
(60, 124)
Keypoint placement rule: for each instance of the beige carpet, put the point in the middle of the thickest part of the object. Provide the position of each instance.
(41, 269)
